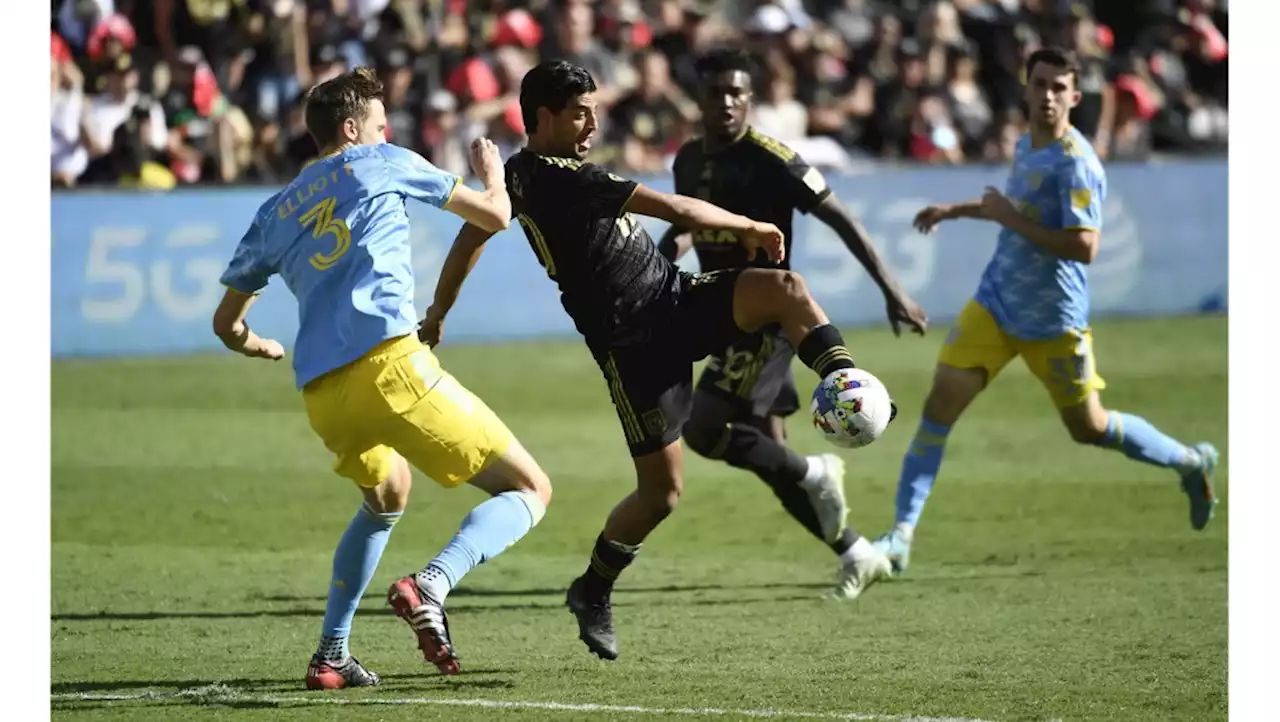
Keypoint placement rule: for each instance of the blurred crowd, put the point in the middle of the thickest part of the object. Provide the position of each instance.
(161, 93)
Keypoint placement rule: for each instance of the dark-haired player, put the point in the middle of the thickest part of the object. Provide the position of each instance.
(1033, 302)
(338, 235)
(747, 388)
(645, 321)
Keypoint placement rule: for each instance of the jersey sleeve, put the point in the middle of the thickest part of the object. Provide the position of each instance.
(805, 186)
(606, 193)
(1081, 190)
(248, 271)
(412, 176)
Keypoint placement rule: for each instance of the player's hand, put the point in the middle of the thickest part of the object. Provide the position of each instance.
(902, 309)
(768, 237)
(432, 328)
(996, 205)
(485, 160)
(268, 348)
(928, 219)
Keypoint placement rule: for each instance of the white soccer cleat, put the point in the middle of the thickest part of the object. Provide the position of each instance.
(827, 496)
(856, 577)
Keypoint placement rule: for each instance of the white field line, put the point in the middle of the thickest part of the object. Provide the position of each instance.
(218, 694)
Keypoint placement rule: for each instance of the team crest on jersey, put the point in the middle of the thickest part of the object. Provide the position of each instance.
(655, 422)
(1081, 198)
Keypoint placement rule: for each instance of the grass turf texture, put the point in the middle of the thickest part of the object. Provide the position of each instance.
(194, 519)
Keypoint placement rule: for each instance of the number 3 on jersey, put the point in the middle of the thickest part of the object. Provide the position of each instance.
(322, 223)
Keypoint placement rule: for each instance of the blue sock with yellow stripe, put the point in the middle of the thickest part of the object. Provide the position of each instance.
(1137, 439)
(354, 562)
(919, 470)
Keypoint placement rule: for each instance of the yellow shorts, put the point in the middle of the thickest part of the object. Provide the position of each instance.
(1065, 365)
(398, 397)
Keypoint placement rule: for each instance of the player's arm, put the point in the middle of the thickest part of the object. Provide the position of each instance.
(902, 309)
(833, 213)
(687, 212)
(1079, 194)
(230, 328)
(417, 178)
(463, 255)
(245, 276)
(675, 242)
(489, 209)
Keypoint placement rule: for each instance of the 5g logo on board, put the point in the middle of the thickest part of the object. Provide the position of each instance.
(182, 288)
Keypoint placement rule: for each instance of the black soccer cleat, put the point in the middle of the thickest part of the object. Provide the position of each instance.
(595, 620)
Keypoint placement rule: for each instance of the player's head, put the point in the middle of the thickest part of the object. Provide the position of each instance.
(1052, 86)
(558, 105)
(347, 109)
(724, 78)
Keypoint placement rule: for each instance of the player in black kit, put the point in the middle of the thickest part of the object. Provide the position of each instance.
(747, 389)
(645, 321)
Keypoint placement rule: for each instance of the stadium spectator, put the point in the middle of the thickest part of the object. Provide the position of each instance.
(933, 81)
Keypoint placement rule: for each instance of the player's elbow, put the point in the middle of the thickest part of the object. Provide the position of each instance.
(1087, 247)
(494, 221)
(228, 330)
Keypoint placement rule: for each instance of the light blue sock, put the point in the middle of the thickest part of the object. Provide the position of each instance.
(486, 532)
(354, 561)
(919, 469)
(1137, 439)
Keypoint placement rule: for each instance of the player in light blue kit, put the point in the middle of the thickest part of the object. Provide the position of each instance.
(339, 237)
(1033, 302)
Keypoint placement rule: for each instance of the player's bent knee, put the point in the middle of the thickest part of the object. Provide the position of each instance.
(515, 470)
(392, 495)
(1085, 423)
(953, 390)
(704, 431)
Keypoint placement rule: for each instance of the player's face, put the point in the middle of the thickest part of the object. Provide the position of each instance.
(726, 100)
(573, 127)
(373, 130)
(1050, 94)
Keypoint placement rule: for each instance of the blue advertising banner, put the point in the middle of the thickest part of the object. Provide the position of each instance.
(137, 273)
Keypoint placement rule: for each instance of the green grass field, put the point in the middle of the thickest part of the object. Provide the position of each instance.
(194, 518)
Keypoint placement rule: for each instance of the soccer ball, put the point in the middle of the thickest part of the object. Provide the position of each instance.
(851, 408)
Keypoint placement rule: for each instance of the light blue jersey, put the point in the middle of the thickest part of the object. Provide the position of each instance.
(1032, 293)
(339, 237)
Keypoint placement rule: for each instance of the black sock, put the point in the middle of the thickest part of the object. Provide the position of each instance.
(823, 350)
(846, 540)
(608, 559)
(749, 447)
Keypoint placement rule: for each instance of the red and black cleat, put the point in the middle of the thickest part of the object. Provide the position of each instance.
(428, 621)
(330, 675)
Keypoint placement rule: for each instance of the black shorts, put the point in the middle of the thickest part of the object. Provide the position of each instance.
(754, 374)
(651, 378)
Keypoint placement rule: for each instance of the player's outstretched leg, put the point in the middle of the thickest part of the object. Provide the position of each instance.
(658, 487)
(520, 495)
(952, 392)
(767, 296)
(354, 561)
(1135, 437)
(811, 489)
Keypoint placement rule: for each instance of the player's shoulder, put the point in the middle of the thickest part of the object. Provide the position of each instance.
(769, 148)
(271, 207)
(1075, 154)
(400, 156)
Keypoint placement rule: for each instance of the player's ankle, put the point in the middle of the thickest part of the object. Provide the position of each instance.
(904, 530)
(860, 550)
(816, 472)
